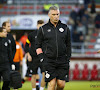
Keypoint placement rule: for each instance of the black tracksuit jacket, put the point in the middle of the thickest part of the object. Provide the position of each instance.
(12, 43)
(54, 41)
(32, 49)
(5, 52)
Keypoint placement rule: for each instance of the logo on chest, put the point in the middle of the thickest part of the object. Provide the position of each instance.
(61, 29)
(6, 44)
(49, 30)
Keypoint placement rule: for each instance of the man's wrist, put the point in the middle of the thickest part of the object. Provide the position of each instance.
(41, 57)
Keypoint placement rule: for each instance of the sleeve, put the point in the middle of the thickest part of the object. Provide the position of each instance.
(21, 53)
(13, 44)
(28, 41)
(68, 44)
(10, 57)
(39, 39)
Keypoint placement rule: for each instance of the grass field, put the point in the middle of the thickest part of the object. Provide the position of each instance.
(72, 85)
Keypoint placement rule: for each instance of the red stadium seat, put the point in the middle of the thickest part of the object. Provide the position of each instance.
(85, 73)
(31, 7)
(94, 73)
(9, 13)
(5, 7)
(76, 73)
(40, 12)
(67, 12)
(95, 34)
(93, 40)
(15, 13)
(90, 46)
(63, 7)
(69, 7)
(11, 7)
(24, 7)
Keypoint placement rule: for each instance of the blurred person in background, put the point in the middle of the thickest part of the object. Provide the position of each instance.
(93, 7)
(33, 58)
(5, 58)
(11, 40)
(53, 47)
(97, 22)
(18, 55)
(23, 40)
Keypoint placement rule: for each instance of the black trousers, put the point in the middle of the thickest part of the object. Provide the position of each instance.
(6, 85)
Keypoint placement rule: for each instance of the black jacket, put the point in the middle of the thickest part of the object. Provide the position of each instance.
(54, 41)
(5, 51)
(31, 38)
(12, 43)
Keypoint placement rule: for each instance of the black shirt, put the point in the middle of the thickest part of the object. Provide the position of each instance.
(54, 41)
(31, 40)
(5, 51)
(12, 43)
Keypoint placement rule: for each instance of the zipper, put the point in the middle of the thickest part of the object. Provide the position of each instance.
(46, 50)
(56, 43)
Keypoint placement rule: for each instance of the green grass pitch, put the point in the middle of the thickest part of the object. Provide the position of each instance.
(72, 85)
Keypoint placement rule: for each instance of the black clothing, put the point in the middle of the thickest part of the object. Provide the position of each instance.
(5, 58)
(58, 70)
(13, 44)
(6, 85)
(31, 38)
(5, 51)
(54, 41)
(56, 45)
(35, 63)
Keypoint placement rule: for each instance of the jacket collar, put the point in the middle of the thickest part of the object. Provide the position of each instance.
(52, 24)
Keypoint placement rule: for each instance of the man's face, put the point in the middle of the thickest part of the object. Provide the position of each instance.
(54, 15)
(8, 27)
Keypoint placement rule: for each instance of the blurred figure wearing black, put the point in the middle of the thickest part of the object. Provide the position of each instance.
(7, 26)
(5, 58)
(93, 6)
(33, 58)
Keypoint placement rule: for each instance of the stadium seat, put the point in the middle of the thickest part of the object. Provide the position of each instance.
(63, 7)
(67, 12)
(94, 73)
(31, 7)
(85, 72)
(9, 13)
(5, 7)
(24, 7)
(76, 73)
(90, 46)
(95, 34)
(93, 40)
(12, 7)
(69, 7)
(15, 13)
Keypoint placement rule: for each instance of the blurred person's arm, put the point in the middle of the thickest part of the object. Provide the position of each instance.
(27, 55)
(68, 44)
(13, 45)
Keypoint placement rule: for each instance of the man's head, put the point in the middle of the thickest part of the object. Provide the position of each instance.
(54, 14)
(3, 30)
(39, 23)
(7, 26)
